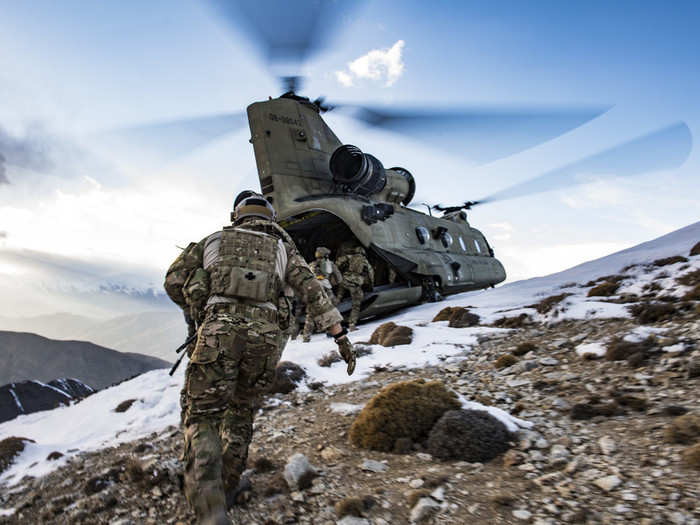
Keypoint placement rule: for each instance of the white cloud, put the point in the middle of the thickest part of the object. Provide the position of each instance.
(380, 65)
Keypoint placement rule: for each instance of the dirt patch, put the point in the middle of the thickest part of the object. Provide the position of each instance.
(407, 410)
(391, 334)
(546, 305)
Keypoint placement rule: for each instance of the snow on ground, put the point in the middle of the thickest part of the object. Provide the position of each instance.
(595, 349)
(92, 424)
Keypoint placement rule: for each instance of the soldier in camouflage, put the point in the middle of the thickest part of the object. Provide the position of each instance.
(357, 274)
(231, 287)
(329, 276)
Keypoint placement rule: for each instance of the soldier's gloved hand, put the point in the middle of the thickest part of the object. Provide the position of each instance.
(347, 352)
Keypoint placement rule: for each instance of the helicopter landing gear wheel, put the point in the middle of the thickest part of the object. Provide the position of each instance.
(430, 291)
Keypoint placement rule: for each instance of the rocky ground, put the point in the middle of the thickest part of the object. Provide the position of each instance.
(598, 451)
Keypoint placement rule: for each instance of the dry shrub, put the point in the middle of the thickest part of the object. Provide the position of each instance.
(595, 408)
(546, 304)
(669, 260)
(630, 401)
(647, 313)
(53, 456)
(445, 313)
(328, 359)
(125, 405)
(391, 334)
(652, 287)
(524, 348)
(463, 318)
(134, 470)
(505, 361)
(263, 464)
(690, 278)
(605, 289)
(695, 250)
(684, 429)
(407, 409)
(621, 350)
(9, 448)
(468, 435)
(691, 456)
(287, 376)
(349, 507)
(512, 322)
(276, 485)
(693, 295)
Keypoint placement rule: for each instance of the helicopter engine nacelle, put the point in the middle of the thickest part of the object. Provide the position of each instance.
(364, 174)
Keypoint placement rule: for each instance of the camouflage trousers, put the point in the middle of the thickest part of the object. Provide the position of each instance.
(232, 365)
(309, 325)
(356, 294)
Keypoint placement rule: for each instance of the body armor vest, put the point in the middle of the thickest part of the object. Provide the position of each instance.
(245, 264)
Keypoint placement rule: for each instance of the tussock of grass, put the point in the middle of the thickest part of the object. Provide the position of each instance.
(505, 361)
(407, 409)
(691, 456)
(647, 313)
(329, 358)
(391, 334)
(524, 348)
(684, 429)
(695, 250)
(690, 278)
(619, 349)
(512, 322)
(605, 289)
(669, 260)
(9, 448)
(545, 305)
(125, 405)
(349, 507)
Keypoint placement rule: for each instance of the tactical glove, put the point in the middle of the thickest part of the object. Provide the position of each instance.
(347, 352)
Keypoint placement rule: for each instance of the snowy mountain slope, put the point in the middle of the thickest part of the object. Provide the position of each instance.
(97, 426)
(27, 397)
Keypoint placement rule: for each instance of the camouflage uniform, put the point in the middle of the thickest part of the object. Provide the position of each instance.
(357, 274)
(239, 343)
(329, 276)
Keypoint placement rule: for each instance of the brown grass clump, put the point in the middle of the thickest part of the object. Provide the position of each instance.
(287, 376)
(684, 429)
(591, 409)
(134, 470)
(695, 250)
(620, 350)
(546, 304)
(391, 334)
(505, 361)
(691, 456)
(125, 405)
(463, 318)
(349, 507)
(669, 260)
(407, 409)
(414, 496)
(605, 289)
(53, 456)
(690, 278)
(328, 359)
(524, 348)
(445, 313)
(9, 448)
(263, 464)
(647, 313)
(512, 322)
(693, 295)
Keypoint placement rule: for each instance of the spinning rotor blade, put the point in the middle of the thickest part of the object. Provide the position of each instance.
(665, 148)
(287, 33)
(482, 135)
(175, 138)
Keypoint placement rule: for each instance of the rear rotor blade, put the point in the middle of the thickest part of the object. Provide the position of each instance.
(482, 135)
(174, 138)
(663, 149)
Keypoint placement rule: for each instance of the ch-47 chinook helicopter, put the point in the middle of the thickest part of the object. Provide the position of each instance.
(329, 193)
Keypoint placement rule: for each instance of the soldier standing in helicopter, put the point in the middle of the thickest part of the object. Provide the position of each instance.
(329, 276)
(357, 274)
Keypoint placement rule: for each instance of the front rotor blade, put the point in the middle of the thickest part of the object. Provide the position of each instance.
(174, 138)
(285, 32)
(482, 135)
(663, 149)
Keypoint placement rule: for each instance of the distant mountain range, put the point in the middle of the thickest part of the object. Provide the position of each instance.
(155, 334)
(27, 356)
(32, 396)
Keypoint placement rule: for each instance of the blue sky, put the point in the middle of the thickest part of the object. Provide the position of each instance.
(74, 67)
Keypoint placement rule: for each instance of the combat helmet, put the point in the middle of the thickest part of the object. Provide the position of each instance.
(251, 204)
(322, 252)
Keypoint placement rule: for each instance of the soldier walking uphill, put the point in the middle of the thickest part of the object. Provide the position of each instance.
(232, 283)
(357, 274)
(329, 276)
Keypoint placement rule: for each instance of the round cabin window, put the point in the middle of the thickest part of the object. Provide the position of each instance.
(423, 234)
(446, 239)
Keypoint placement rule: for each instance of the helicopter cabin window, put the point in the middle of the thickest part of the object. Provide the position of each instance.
(478, 248)
(446, 239)
(461, 243)
(423, 234)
